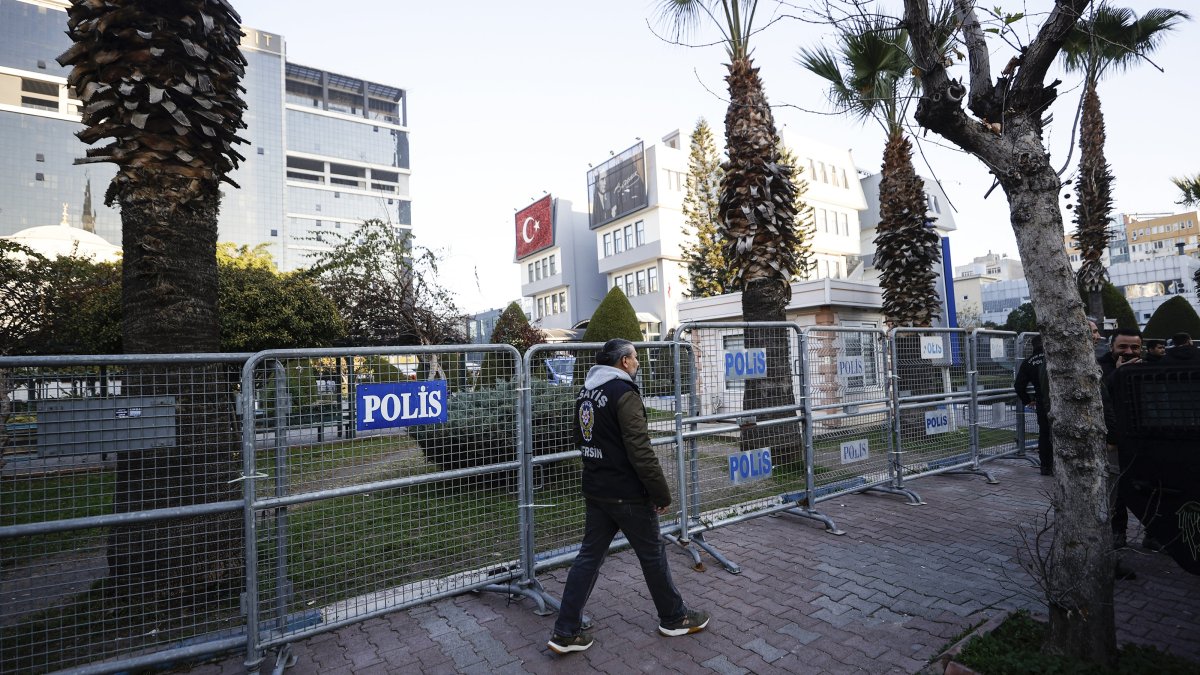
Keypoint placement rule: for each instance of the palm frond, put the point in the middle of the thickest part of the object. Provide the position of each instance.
(1115, 37)
(1189, 189)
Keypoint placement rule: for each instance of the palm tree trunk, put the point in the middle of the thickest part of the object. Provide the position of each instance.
(170, 306)
(757, 215)
(1095, 203)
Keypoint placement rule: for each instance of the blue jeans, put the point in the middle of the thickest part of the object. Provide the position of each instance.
(640, 525)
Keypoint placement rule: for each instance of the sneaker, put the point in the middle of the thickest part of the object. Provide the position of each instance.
(692, 622)
(565, 644)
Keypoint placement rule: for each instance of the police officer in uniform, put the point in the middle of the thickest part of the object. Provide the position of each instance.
(1033, 372)
(624, 490)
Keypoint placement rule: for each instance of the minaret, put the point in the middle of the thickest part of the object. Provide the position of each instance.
(89, 215)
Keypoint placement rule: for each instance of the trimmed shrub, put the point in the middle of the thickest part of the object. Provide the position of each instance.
(1173, 316)
(481, 426)
(512, 328)
(614, 318)
(1117, 307)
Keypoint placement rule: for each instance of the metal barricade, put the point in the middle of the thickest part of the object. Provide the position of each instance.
(554, 374)
(1027, 423)
(121, 542)
(411, 493)
(744, 449)
(848, 407)
(933, 400)
(997, 409)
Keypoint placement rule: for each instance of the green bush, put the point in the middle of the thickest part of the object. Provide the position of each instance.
(1015, 648)
(614, 318)
(481, 426)
(512, 328)
(1173, 316)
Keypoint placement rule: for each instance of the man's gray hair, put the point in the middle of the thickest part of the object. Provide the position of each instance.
(613, 350)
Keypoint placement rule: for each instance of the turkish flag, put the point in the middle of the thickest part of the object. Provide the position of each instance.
(535, 227)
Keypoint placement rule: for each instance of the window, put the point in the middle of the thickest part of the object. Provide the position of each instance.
(531, 273)
(845, 184)
(541, 307)
(274, 233)
(641, 282)
(652, 279)
(844, 221)
(629, 287)
(824, 175)
(733, 343)
(629, 243)
(608, 244)
(553, 267)
(639, 229)
(554, 304)
(618, 242)
(39, 176)
(40, 157)
(562, 301)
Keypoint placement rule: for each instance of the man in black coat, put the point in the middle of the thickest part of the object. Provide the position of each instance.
(625, 490)
(1032, 372)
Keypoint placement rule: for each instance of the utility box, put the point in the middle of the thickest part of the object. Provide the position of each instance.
(92, 426)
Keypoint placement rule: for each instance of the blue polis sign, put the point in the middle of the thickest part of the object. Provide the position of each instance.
(400, 404)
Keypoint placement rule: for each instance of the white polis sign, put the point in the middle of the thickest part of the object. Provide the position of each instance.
(851, 366)
(746, 364)
(937, 421)
(855, 451)
(933, 347)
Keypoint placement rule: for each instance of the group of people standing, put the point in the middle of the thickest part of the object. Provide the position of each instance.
(1124, 347)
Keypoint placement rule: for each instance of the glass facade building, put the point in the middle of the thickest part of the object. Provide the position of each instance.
(324, 151)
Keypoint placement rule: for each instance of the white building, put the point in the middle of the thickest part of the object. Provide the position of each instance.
(837, 200)
(636, 218)
(556, 254)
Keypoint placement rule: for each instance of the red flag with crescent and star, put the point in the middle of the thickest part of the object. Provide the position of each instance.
(535, 227)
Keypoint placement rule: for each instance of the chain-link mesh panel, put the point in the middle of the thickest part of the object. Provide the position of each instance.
(933, 399)
(745, 444)
(114, 440)
(386, 478)
(846, 378)
(997, 408)
(557, 512)
(1027, 423)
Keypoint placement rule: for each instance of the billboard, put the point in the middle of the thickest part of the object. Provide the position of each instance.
(535, 227)
(617, 187)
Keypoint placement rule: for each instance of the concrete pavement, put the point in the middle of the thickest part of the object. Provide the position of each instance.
(885, 598)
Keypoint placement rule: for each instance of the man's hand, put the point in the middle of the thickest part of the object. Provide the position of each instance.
(661, 509)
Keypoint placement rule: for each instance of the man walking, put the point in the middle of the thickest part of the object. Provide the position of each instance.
(1033, 372)
(624, 489)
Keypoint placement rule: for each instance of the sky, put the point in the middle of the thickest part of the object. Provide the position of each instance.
(510, 100)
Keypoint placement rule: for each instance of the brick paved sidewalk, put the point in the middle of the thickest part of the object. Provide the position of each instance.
(884, 598)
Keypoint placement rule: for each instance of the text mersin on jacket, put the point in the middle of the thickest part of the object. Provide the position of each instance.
(619, 464)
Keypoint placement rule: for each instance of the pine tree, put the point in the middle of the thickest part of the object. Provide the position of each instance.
(708, 271)
(806, 224)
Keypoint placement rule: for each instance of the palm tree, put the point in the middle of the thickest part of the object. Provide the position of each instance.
(1107, 39)
(869, 77)
(161, 80)
(1189, 189)
(757, 210)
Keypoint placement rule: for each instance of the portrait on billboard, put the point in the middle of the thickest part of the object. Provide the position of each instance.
(535, 227)
(617, 187)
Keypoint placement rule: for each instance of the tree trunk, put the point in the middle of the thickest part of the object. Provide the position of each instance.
(1095, 203)
(1079, 563)
(758, 215)
(169, 297)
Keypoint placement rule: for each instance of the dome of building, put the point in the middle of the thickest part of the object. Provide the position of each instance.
(54, 241)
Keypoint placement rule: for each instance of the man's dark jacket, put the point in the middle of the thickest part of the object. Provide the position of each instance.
(619, 464)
